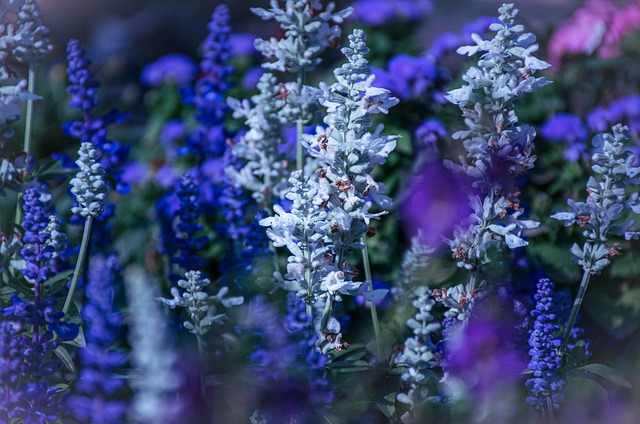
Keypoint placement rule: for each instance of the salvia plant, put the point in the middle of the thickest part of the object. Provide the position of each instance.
(293, 236)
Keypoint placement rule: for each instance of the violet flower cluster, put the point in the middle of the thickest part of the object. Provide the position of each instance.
(96, 398)
(546, 383)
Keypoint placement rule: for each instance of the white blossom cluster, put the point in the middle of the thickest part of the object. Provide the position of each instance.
(310, 29)
(264, 164)
(331, 208)
(156, 380)
(31, 43)
(199, 304)
(88, 186)
(601, 215)
(498, 148)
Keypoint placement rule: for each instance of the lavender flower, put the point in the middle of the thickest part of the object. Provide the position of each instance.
(11, 97)
(546, 384)
(83, 91)
(429, 132)
(11, 173)
(94, 400)
(308, 33)
(157, 378)
(499, 150)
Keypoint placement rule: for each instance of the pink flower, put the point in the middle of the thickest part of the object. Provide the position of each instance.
(597, 27)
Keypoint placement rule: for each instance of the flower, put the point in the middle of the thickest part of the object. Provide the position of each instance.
(569, 129)
(172, 68)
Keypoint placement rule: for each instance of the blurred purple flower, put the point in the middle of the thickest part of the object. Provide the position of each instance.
(172, 131)
(213, 170)
(381, 12)
(135, 172)
(450, 41)
(173, 68)
(166, 176)
(251, 78)
(626, 110)
(482, 355)
(435, 203)
(242, 44)
(598, 120)
(429, 132)
(567, 128)
(411, 76)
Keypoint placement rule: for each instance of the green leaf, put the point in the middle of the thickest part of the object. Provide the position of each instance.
(79, 341)
(66, 359)
(388, 405)
(57, 282)
(611, 374)
(587, 389)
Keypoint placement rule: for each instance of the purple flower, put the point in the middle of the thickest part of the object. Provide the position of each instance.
(166, 176)
(435, 203)
(544, 341)
(172, 131)
(93, 398)
(598, 120)
(569, 129)
(242, 44)
(381, 12)
(626, 110)
(411, 76)
(429, 132)
(173, 68)
(252, 77)
(135, 172)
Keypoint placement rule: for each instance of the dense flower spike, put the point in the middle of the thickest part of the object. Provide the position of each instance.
(309, 31)
(34, 42)
(183, 244)
(43, 240)
(208, 138)
(498, 149)
(88, 186)
(95, 398)
(419, 353)
(546, 384)
(199, 304)
(330, 212)
(600, 216)
(83, 90)
(264, 165)
(157, 379)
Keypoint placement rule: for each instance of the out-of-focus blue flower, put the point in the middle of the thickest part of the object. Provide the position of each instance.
(166, 176)
(172, 68)
(135, 172)
(383, 303)
(449, 41)
(242, 44)
(569, 129)
(380, 12)
(435, 203)
(252, 77)
(626, 110)
(429, 132)
(93, 400)
(172, 131)
(598, 120)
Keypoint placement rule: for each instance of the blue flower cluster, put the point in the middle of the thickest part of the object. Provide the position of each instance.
(95, 399)
(545, 340)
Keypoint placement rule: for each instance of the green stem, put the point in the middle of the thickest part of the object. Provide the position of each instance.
(84, 248)
(550, 409)
(326, 314)
(28, 124)
(299, 128)
(576, 306)
(372, 304)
